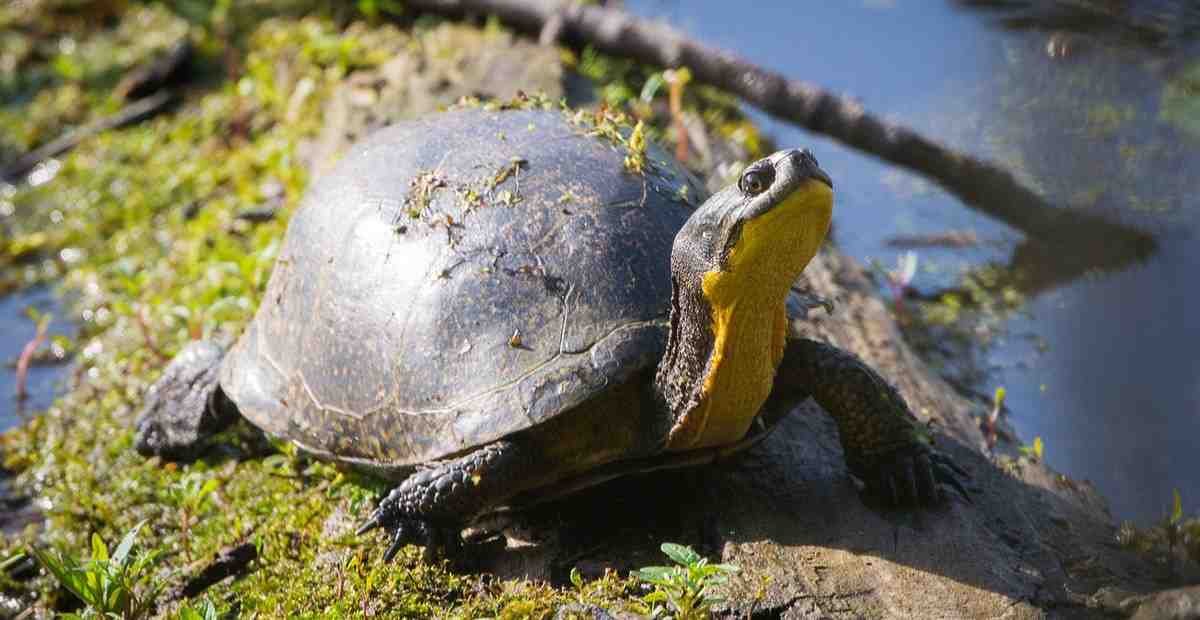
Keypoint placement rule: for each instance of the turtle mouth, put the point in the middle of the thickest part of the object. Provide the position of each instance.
(820, 175)
(803, 165)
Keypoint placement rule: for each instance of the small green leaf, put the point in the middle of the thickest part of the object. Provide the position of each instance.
(576, 578)
(653, 84)
(99, 549)
(657, 596)
(12, 560)
(122, 551)
(680, 553)
(210, 485)
(655, 572)
(1177, 510)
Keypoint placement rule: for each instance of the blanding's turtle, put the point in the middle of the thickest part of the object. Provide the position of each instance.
(491, 306)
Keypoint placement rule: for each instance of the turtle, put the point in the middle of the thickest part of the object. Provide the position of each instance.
(493, 306)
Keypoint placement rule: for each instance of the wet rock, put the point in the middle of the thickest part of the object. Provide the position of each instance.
(1177, 604)
(16, 511)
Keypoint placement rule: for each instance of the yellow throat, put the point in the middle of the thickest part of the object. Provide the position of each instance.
(749, 316)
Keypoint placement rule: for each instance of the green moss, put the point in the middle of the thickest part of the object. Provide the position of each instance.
(142, 224)
(635, 160)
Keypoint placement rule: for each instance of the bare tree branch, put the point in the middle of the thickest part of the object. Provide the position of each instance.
(981, 185)
(132, 113)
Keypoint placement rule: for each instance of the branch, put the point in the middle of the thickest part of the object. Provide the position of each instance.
(981, 185)
(132, 113)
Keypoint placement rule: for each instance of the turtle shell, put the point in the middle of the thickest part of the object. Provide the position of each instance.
(457, 279)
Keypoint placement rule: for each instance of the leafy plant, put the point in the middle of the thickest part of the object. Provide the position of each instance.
(190, 494)
(106, 584)
(1172, 527)
(205, 611)
(685, 591)
(1036, 450)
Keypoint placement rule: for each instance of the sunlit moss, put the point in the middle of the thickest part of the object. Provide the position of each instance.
(148, 217)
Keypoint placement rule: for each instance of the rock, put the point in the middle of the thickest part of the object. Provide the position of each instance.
(440, 68)
(1177, 604)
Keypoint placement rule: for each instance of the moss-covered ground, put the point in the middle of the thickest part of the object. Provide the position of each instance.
(141, 226)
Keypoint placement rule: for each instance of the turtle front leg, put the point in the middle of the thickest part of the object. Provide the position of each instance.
(432, 505)
(885, 445)
(186, 405)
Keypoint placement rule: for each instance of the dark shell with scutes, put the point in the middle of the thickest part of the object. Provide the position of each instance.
(457, 279)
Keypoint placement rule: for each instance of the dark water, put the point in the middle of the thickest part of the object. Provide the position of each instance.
(16, 329)
(1086, 105)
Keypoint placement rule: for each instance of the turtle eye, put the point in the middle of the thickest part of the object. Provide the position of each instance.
(756, 180)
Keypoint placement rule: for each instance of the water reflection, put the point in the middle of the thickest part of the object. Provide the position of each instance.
(1142, 22)
(1083, 101)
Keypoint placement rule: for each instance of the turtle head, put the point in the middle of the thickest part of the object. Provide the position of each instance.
(760, 232)
(732, 265)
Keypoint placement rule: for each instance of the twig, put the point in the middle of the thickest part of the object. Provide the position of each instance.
(981, 185)
(161, 72)
(994, 417)
(148, 336)
(27, 356)
(948, 239)
(132, 113)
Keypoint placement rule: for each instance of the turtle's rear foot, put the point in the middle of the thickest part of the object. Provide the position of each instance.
(185, 406)
(431, 506)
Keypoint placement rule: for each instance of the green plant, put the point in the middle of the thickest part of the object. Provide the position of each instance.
(205, 611)
(107, 584)
(1173, 527)
(1036, 450)
(685, 591)
(190, 494)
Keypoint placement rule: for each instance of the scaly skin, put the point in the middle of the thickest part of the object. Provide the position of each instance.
(185, 405)
(884, 443)
(431, 506)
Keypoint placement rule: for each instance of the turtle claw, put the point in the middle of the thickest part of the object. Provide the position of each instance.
(913, 477)
(393, 548)
(438, 540)
(373, 523)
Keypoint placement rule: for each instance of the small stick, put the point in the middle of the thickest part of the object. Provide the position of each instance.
(135, 112)
(27, 356)
(149, 337)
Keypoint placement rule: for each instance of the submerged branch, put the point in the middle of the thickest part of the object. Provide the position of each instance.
(982, 185)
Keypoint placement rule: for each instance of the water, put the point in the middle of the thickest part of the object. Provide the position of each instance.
(1077, 103)
(16, 329)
